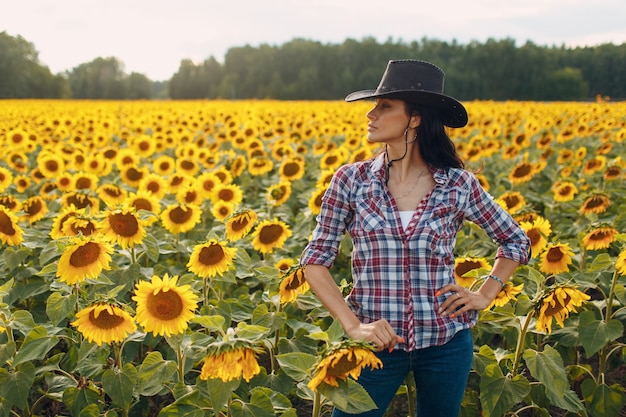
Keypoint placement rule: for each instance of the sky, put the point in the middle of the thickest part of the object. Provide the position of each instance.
(152, 37)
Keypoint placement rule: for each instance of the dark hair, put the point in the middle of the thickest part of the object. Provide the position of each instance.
(435, 145)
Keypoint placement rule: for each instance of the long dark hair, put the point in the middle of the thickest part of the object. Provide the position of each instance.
(435, 145)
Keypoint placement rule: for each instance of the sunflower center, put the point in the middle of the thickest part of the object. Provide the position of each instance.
(179, 215)
(165, 305)
(85, 255)
(600, 235)
(52, 166)
(142, 204)
(6, 225)
(511, 201)
(296, 281)
(134, 174)
(211, 255)
(534, 236)
(124, 224)
(554, 255)
(154, 187)
(83, 183)
(105, 320)
(291, 169)
(240, 224)
(466, 266)
(270, 234)
(522, 170)
(226, 195)
(34, 207)
(342, 366)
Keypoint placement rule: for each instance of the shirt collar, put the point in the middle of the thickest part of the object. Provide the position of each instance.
(377, 167)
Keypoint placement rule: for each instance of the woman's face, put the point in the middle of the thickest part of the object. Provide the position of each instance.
(388, 120)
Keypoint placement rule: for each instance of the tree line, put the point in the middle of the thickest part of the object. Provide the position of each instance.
(310, 70)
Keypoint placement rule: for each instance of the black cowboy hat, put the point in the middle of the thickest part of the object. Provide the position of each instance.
(418, 82)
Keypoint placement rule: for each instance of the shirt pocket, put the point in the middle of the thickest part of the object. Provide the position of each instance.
(442, 222)
(369, 216)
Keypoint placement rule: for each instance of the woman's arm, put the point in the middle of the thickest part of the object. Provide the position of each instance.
(379, 332)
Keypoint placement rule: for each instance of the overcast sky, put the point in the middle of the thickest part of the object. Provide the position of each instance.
(152, 36)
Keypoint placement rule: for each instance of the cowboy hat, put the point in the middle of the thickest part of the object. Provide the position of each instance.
(417, 82)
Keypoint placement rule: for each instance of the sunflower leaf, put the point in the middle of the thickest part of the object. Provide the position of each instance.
(118, 384)
(153, 374)
(499, 393)
(36, 344)
(349, 396)
(547, 367)
(15, 386)
(296, 365)
(595, 334)
(59, 306)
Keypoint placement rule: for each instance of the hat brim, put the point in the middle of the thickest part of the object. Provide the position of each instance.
(453, 113)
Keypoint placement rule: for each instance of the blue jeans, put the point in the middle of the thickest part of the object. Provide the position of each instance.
(440, 373)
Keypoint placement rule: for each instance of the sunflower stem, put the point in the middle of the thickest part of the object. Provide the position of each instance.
(410, 394)
(133, 255)
(317, 404)
(180, 357)
(602, 355)
(520, 342)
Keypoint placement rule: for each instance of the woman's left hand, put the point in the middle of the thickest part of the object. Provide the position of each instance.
(460, 300)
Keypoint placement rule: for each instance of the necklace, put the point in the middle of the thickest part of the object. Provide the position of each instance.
(421, 174)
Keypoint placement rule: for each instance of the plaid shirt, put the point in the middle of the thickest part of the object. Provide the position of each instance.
(396, 272)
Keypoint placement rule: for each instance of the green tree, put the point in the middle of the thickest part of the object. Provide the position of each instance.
(102, 78)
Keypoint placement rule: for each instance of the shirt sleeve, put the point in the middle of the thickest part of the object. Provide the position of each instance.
(482, 209)
(332, 221)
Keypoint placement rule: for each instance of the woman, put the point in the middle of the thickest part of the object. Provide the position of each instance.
(403, 209)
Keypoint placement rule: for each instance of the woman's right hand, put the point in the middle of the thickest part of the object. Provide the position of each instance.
(380, 333)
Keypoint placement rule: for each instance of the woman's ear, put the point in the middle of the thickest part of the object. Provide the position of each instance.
(415, 121)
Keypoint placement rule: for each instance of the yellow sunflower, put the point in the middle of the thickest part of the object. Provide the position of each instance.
(22, 183)
(228, 193)
(612, 173)
(164, 308)
(596, 203)
(564, 191)
(508, 293)
(132, 174)
(556, 258)
(315, 201)
(211, 258)
(111, 194)
(522, 173)
(10, 232)
(104, 323)
(259, 165)
(514, 201)
(620, 263)
(222, 210)
(155, 184)
(463, 265)
(291, 169)
(239, 224)
(85, 257)
(180, 218)
(270, 235)
(595, 164)
(279, 193)
(35, 209)
(283, 265)
(342, 362)
(80, 201)
(6, 179)
(144, 200)
(558, 304)
(292, 285)
(189, 194)
(10, 203)
(537, 231)
(123, 226)
(164, 165)
(230, 364)
(79, 225)
(85, 181)
(600, 238)
(50, 164)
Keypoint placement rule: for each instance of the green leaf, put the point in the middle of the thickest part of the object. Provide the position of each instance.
(59, 306)
(296, 365)
(6, 287)
(547, 367)
(349, 397)
(15, 386)
(91, 410)
(260, 405)
(154, 373)
(15, 257)
(182, 410)
(23, 321)
(152, 247)
(217, 391)
(119, 384)
(607, 401)
(484, 357)
(77, 399)
(499, 393)
(36, 345)
(212, 323)
(7, 351)
(48, 269)
(595, 334)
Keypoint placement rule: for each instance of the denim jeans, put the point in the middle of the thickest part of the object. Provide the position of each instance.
(440, 373)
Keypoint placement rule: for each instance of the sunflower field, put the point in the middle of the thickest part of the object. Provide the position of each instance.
(149, 259)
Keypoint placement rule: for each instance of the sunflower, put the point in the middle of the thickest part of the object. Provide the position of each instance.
(239, 224)
(144, 145)
(612, 173)
(283, 265)
(230, 364)
(35, 209)
(6, 179)
(259, 165)
(123, 226)
(155, 184)
(85, 181)
(508, 293)
(522, 173)
(10, 203)
(558, 304)
(222, 210)
(600, 238)
(211, 258)
(293, 284)
(79, 225)
(189, 194)
(144, 200)
(291, 169)
(537, 231)
(206, 183)
(187, 166)
(104, 323)
(126, 157)
(164, 165)
(10, 231)
(177, 181)
(85, 257)
(341, 362)
(466, 264)
(315, 201)
(164, 308)
(111, 194)
(596, 203)
(270, 235)
(132, 174)
(277, 194)
(22, 183)
(564, 191)
(514, 201)
(595, 164)
(324, 179)
(228, 193)
(332, 159)
(620, 263)
(180, 218)
(556, 258)
(79, 200)
(50, 164)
